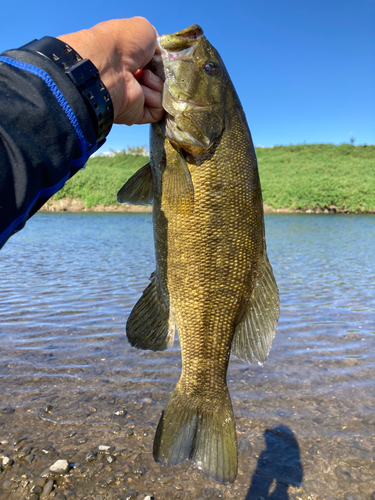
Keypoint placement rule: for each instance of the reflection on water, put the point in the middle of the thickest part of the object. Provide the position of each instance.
(69, 281)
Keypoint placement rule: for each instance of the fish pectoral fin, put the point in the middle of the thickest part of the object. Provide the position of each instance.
(206, 436)
(138, 190)
(149, 325)
(255, 332)
(177, 185)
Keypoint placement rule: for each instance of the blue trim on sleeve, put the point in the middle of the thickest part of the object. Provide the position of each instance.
(80, 162)
(45, 192)
(86, 150)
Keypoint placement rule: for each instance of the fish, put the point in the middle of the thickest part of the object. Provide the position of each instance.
(213, 281)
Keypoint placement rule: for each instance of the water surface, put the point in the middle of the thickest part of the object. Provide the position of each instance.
(305, 420)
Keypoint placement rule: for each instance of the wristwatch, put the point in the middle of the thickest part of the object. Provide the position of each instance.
(85, 77)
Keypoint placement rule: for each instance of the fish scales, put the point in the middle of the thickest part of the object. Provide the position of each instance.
(213, 281)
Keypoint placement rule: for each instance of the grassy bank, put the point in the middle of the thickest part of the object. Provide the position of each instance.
(293, 177)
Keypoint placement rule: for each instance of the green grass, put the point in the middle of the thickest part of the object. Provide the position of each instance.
(318, 175)
(102, 178)
(294, 177)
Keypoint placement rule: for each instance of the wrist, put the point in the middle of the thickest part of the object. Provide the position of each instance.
(85, 76)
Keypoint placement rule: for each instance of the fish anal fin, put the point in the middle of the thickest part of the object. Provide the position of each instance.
(138, 190)
(255, 332)
(149, 325)
(207, 437)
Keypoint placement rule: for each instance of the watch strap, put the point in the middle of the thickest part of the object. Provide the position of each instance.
(85, 76)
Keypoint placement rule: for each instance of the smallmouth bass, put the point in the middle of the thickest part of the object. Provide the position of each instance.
(213, 280)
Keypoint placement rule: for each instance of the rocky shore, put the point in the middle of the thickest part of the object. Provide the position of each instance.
(76, 205)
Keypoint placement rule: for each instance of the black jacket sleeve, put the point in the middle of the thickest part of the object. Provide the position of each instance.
(46, 135)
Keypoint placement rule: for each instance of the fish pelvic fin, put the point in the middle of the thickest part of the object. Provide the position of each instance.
(255, 332)
(207, 437)
(149, 325)
(177, 185)
(138, 190)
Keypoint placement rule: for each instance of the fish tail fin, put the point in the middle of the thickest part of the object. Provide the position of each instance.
(205, 436)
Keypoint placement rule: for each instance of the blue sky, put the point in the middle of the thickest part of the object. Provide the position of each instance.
(304, 70)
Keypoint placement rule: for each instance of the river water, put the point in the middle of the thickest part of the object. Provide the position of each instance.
(69, 381)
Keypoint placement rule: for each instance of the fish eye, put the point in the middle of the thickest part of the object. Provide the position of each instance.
(210, 67)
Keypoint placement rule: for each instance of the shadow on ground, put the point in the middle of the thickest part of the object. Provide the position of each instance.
(279, 466)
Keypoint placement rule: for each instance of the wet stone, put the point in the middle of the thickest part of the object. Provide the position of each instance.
(7, 411)
(208, 492)
(34, 496)
(48, 408)
(91, 456)
(139, 471)
(147, 401)
(149, 496)
(129, 434)
(60, 467)
(115, 429)
(105, 448)
(25, 451)
(120, 413)
(36, 489)
(131, 495)
(81, 440)
(7, 485)
(48, 449)
(40, 481)
(7, 462)
(47, 488)
(166, 480)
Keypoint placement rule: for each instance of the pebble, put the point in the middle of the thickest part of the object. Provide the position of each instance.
(91, 456)
(40, 481)
(81, 440)
(166, 480)
(115, 429)
(105, 448)
(48, 449)
(47, 489)
(131, 495)
(7, 411)
(147, 401)
(7, 462)
(120, 413)
(60, 467)
(25, 451)
(149, 496)
(36, 489)
(34, 496)
(110, 459)
(48, 408)
(139, 471)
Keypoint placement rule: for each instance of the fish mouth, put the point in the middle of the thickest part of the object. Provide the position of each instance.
(181, 40)
(180, 105)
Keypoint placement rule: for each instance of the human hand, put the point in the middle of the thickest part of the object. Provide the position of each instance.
(120, 49)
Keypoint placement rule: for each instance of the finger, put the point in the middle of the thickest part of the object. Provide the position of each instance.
(153, 98)
(149, 79)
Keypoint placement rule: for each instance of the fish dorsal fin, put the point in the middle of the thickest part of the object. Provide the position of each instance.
(138, 190)
(177, 185)
(149, 325)
(255, 332)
